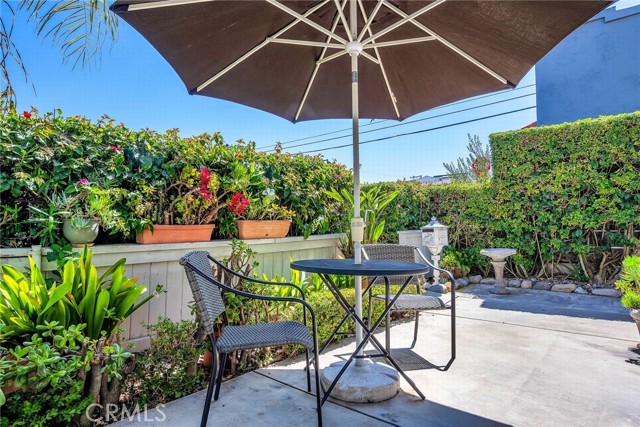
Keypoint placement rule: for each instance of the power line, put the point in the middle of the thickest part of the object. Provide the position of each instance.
(420, 131)
(464, 101)
(410, 121)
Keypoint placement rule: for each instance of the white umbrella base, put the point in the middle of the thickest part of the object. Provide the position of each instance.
(364, 383)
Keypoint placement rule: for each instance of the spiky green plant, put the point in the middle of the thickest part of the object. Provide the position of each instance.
(82, 297)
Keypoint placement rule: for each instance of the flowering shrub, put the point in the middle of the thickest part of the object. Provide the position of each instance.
(150, 178)
(265, 207)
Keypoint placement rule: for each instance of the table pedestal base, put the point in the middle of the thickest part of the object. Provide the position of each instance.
(364, 383)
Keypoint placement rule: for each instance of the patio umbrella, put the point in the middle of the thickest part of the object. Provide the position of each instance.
(383, 59)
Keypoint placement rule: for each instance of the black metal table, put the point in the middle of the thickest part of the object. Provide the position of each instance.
(376, 268)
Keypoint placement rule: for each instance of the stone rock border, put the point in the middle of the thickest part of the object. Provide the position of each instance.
(530, 283)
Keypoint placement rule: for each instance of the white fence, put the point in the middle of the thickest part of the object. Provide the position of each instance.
(158, 264)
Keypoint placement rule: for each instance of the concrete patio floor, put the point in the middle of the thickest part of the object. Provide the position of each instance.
(532, 358)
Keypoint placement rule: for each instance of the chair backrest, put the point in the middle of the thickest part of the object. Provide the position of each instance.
(392, 252)
(204, 287)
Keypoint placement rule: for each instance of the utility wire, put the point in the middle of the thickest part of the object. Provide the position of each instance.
(464, 101)
(408, 122)
(419, 131)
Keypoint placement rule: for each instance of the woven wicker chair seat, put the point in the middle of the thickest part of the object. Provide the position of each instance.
(415, 302)
(263, 335)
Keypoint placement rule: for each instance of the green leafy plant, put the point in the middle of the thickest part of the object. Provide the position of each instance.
(168, 370)
(629, 283)
(81, 297)
(59, 372)
(453, 258)
(88, 203)
(372, 204)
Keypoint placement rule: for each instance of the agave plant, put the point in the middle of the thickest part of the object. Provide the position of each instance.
(81, 298)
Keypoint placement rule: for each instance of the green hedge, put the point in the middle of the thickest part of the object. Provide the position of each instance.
(461, 206)
(567, 197)
(45, 155)
(569, 193)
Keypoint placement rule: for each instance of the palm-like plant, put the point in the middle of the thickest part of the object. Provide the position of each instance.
(80, 27)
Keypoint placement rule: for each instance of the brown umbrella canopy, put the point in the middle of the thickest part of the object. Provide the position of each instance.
(274, 55)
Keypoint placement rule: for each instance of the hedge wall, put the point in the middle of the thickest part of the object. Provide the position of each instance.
(43, 156)
(568, 195)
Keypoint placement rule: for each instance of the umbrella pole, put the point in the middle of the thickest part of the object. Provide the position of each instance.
(354, 49)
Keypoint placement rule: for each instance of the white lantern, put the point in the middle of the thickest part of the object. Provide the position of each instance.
(435, 237)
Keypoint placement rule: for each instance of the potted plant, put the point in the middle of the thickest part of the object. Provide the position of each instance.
(629, 285)
(86, 209)
(260, 217)
(183, 211)
(457, 261)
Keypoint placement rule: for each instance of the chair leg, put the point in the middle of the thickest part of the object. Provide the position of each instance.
(415, 330)
(316, 363)
(212, 384)
(370, 310)
(223, 362)
(306, 352)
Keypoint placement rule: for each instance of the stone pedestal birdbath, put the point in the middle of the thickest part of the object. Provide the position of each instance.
(498, 256)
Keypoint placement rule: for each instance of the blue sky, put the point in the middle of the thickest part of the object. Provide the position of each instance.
(134, 85)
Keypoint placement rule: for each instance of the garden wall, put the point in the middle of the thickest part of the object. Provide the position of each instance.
(158, 264)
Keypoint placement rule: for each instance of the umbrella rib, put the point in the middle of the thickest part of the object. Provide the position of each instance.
(165, 3)
(343, 19)
(254, 50)
(320, 61)
(331, 57)
(370, 20)
(392, 97)
(406, 18)
(449, 44)
(306, 20)
(399, 42)
(305, 43)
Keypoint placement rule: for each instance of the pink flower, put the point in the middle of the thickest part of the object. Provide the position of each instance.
(115, 147)
(83, 181)
(26, 114)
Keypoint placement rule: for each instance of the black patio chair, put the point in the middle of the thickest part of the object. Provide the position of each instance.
(208, 294)
(417, 302)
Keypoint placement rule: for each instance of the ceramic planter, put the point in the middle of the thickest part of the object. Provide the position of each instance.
(175, 234)
(80, 236)
(263, 229)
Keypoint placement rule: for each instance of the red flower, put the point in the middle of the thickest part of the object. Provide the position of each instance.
(238, 204)
(238, 156)
(205, 176)
(26, 114)
(115, 147)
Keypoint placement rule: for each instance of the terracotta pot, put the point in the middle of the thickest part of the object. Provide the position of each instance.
(9, 388)
(262, 229)
(207, 359)
(175, 234)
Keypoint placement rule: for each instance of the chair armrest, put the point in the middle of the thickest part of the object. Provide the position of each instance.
(253, 279)
(447, 272)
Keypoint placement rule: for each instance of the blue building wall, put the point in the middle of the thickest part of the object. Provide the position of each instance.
(594, 71)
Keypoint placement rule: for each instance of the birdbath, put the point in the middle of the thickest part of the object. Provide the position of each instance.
(498, 256)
